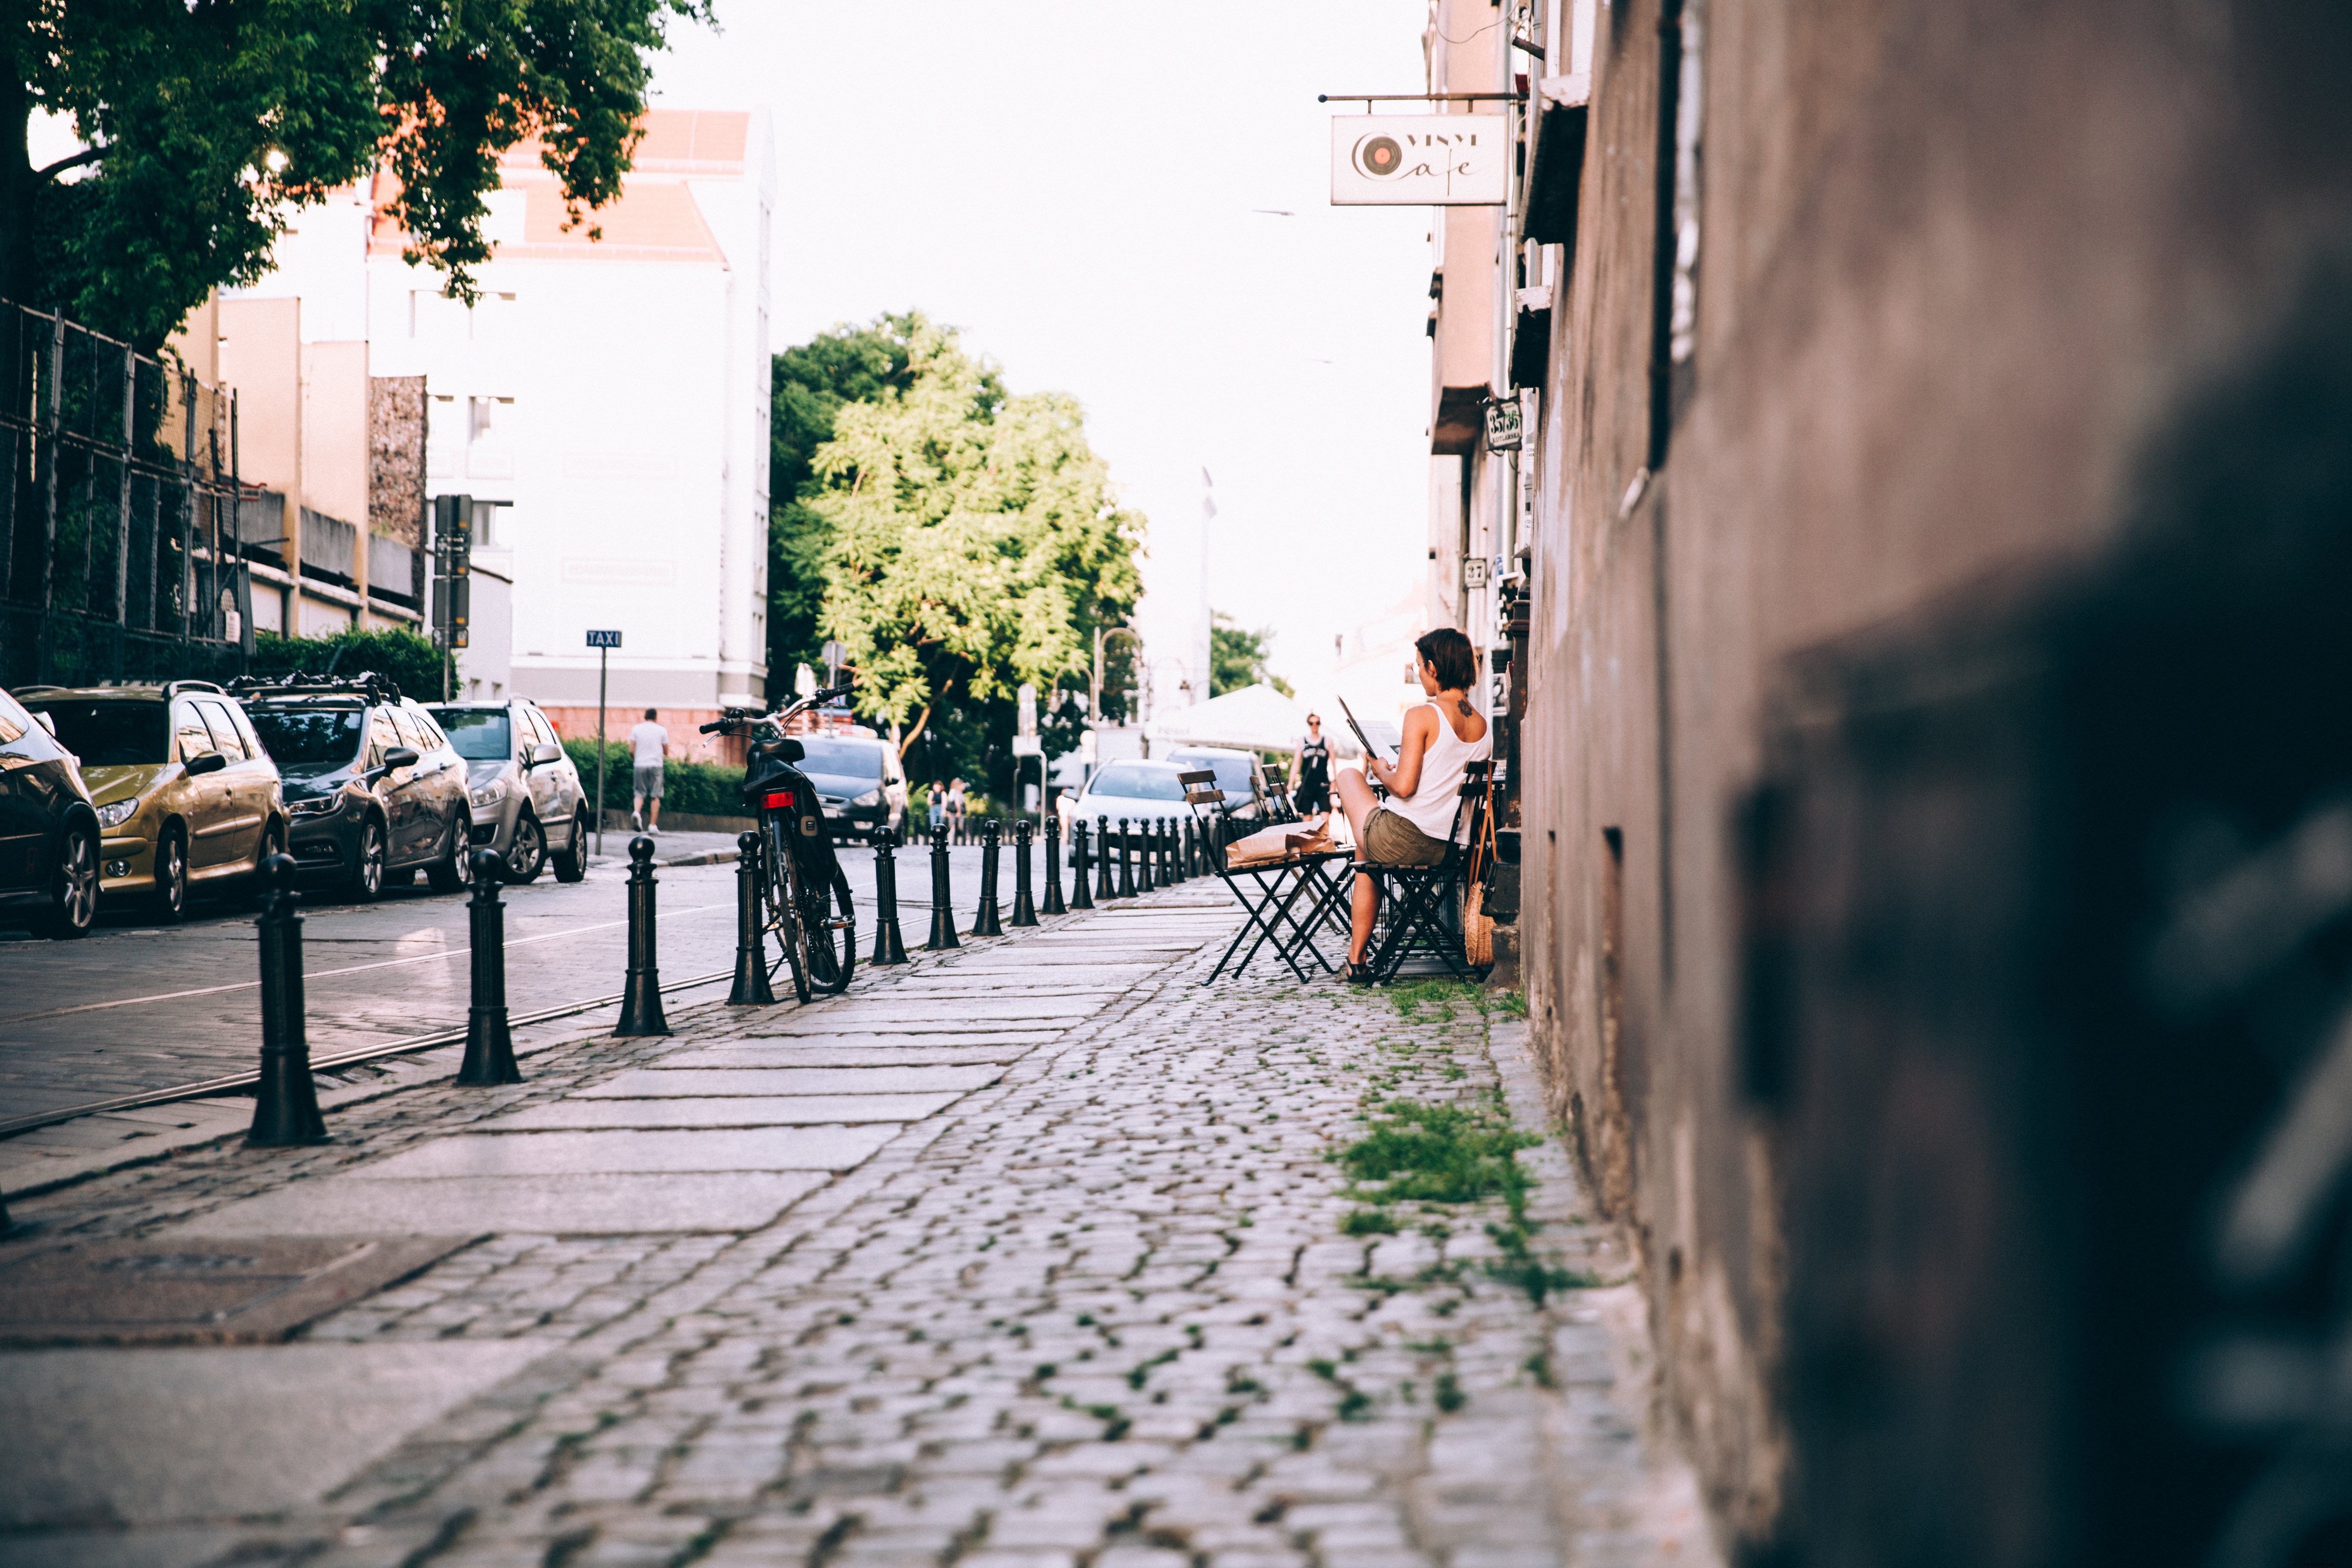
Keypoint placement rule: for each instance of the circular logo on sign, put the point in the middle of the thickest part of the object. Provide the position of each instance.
(1379, 156)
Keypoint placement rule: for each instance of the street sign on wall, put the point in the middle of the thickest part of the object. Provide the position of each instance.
(1420, 160)
(604, 639)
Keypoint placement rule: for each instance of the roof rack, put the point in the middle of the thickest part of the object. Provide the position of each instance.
(174, 687)
(367, 683)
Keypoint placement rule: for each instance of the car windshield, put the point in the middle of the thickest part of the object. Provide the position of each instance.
(310, 738)
(479, 734)
(1232, 773)
(1135, 782)
(109, 735)
(842, 759)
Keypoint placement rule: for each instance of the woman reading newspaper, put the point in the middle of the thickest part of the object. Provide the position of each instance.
(1442, 736)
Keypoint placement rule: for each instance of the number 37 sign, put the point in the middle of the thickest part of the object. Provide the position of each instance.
(1419, 160)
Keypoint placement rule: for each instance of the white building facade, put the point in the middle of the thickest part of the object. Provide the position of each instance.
(605, 405)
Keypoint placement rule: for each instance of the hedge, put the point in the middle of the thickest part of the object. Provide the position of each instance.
(411, 661)
(705, 789)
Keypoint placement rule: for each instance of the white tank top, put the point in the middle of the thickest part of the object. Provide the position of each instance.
(1431, 807)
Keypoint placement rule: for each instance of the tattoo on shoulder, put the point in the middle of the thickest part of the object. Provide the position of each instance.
(1464, 704)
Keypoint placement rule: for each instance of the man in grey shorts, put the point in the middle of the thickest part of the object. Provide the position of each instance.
(648, 742)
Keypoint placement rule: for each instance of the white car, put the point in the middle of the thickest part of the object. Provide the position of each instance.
(1138, 791)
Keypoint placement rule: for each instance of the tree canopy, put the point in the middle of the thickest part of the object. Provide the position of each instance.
(208, 122)
(1238, 657)
(969, 539)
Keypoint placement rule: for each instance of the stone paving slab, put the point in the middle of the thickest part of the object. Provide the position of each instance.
(224, 1433)
(818, 1051)
(566, 1206)
(696, 1082)
(734, 1110)
(628, 1153)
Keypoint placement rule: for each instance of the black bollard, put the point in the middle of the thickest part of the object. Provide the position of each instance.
(490, 1049)
(1104, 887)
(988, 922)
(943, 932)
(1081, 889)
(1192, 867)
(889, 946)
(1126, 860)
(1025, 908)
(1144, 882)
(751, 988)
(1053, 904)
(640, 1004)
(1168, 854)
(285, 1102)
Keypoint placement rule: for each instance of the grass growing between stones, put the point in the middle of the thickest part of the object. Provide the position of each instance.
(1425, 1152)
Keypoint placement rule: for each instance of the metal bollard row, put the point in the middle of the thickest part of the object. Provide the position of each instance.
(1054, 904)
(986, 921)
(285, 1102)
(1104, 887)
(490, 1044)
(1025, 906)
(641, 1003)
(943, 930)
(889, 946)
(751, 988)
(1081, 895)
(1126, 860)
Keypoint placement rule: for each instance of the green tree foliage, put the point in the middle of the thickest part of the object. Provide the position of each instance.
(209, 122)
(843, 365)
(972, 543)
(1238, 657)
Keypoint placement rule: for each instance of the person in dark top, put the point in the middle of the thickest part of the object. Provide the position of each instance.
(1310, 770)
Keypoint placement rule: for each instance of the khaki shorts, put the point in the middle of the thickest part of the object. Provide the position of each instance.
(1392, 841)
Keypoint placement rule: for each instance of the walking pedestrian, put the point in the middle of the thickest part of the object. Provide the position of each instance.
(1310, 770)
(955, 811)
(649, 744)
(938, 802)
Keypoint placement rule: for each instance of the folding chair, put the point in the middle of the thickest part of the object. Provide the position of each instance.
(1268, 891)
(1414, 896)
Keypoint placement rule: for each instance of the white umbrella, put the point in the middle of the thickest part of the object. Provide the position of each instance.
(1256, 717)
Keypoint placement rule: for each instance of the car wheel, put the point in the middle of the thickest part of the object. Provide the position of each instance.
(171, 875)
(527, 854)
(448, 873)
(572, 865)
(366, 883)
(75, 891)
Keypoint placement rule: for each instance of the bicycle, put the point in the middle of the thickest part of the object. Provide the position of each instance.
(803, 890)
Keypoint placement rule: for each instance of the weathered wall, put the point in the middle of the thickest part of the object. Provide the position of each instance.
(1957, 267)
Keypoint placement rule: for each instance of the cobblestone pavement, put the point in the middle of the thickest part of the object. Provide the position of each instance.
(1092, 1293)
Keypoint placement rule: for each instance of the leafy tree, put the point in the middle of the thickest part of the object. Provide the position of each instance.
(974, 544)
(842, 364)
(208, 121)
(1238, 657)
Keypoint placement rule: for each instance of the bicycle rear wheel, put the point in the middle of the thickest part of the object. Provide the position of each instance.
(829, 922)
(781, 890)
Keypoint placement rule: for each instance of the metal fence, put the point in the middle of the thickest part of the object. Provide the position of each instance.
(119, 537)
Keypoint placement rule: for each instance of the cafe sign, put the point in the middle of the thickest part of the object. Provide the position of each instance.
(1420, 160)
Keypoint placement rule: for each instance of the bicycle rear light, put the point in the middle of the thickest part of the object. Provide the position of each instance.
(781, 800)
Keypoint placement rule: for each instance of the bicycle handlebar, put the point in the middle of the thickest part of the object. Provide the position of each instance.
(731, 717)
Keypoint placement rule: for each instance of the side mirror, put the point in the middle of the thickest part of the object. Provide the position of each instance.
(400, 757)
(204, 763)
(543, 753)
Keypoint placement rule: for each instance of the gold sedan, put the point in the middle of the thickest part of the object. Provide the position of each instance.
(187, 796)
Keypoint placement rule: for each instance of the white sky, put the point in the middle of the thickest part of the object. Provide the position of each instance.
(1071, 186)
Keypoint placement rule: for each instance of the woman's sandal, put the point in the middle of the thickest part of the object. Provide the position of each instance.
(1358, 974)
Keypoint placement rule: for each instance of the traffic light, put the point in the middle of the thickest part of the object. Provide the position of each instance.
(453, 557)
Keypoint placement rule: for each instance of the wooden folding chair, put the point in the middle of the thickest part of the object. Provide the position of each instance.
(1414, 896)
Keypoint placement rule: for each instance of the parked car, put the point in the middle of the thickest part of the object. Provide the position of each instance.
(523, 791)
(48, 829)
(187, 794)
(373, 789)
(859, 781)
(1239, 773)
(1138, 791)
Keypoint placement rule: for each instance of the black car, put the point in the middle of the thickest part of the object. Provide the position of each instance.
(859, 784)
(373, 789)
(48, 829)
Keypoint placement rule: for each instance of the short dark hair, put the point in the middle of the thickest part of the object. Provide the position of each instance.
(650, 712)
(1447, 652)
